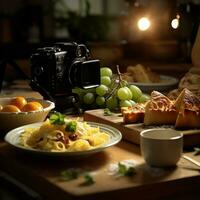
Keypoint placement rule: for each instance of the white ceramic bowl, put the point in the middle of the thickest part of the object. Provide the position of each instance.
(161, 147)
(11, 120)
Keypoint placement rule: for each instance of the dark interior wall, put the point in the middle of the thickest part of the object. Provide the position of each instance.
(19, 17)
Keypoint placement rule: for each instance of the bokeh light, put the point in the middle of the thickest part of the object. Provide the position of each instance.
(144, 24)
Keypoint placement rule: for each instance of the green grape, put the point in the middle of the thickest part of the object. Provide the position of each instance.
(132, 102)
(76, 90)
(80, 92)
(125, 103)
(100, 100)
(101, 90)
(88, 98)
(112, 103)
(129, 92)
(89, 90)
(105, 80)
(106, 71)
(136, 92)
(123, 93)
(143, 98)
(123, 83)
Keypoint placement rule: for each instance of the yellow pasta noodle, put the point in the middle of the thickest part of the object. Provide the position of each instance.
(54, 137)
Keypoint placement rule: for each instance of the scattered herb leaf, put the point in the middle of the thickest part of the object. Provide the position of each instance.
(57, 118)
(107, 112)
(196, 151)
(88, 180)
(74, 173)
(70, 174)
(123, 170)
(71, 126)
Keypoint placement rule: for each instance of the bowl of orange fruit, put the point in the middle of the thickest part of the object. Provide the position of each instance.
(18, 111)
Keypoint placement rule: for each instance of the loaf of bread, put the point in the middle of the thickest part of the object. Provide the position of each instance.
(191, 81)
(188, 106)
(142, 74)
(184, 112)
(159, 110)
(133, 114)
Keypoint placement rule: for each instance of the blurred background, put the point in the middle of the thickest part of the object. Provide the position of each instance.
(126, 32)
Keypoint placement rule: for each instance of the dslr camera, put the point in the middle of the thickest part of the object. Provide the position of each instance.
(57, 69)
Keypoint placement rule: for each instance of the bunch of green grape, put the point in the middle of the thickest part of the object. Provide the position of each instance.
(112, 93)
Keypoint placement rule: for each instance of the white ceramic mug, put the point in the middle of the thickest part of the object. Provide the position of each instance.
(161, 147)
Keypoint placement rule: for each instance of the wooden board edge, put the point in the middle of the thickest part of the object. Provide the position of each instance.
(127, 134)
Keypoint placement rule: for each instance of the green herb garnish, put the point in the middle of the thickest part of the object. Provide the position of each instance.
(88, 180)
(107, 112)
(123, 170)
(71, 126)
(196, 151)
(57, 118)
(74, 173)
(70, 174)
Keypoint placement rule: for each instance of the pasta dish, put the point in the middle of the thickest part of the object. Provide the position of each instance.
(61, 134)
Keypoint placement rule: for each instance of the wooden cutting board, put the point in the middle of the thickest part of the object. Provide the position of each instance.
(131, 132)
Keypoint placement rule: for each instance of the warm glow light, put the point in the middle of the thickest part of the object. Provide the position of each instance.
(144, 23)
(175, 23)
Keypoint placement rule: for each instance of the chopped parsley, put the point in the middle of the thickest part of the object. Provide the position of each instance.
(88, 180)
(71, 126)
(107, 112)
(73, 173)
(57, 118)
(124, 170)
(70, 174)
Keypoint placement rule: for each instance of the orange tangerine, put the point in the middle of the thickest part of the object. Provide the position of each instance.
(32, 106)
(10, 108)
(19, 102)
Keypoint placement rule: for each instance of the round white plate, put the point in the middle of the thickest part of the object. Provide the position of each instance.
(166, 83)
(12, 137)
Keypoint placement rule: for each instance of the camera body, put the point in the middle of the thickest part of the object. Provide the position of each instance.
(60, 68)
(57, 69)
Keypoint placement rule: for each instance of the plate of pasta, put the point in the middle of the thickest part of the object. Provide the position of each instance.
(68, 138)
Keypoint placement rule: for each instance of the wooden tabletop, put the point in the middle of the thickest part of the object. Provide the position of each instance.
(42, 174)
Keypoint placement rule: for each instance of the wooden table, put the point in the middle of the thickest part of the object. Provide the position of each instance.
(42, 174)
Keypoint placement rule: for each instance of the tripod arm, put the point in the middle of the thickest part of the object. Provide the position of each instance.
(3, 65)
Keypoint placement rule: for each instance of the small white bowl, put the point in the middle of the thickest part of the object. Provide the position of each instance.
(11, 120)
(161, 147)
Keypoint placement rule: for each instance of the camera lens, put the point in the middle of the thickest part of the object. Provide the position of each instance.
(85, 74)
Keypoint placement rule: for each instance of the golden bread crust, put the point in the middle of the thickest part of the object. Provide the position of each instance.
(159, 110)
(161, 102)
(133, 114)
(184, 112)
(188, 119)
(188, 106)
